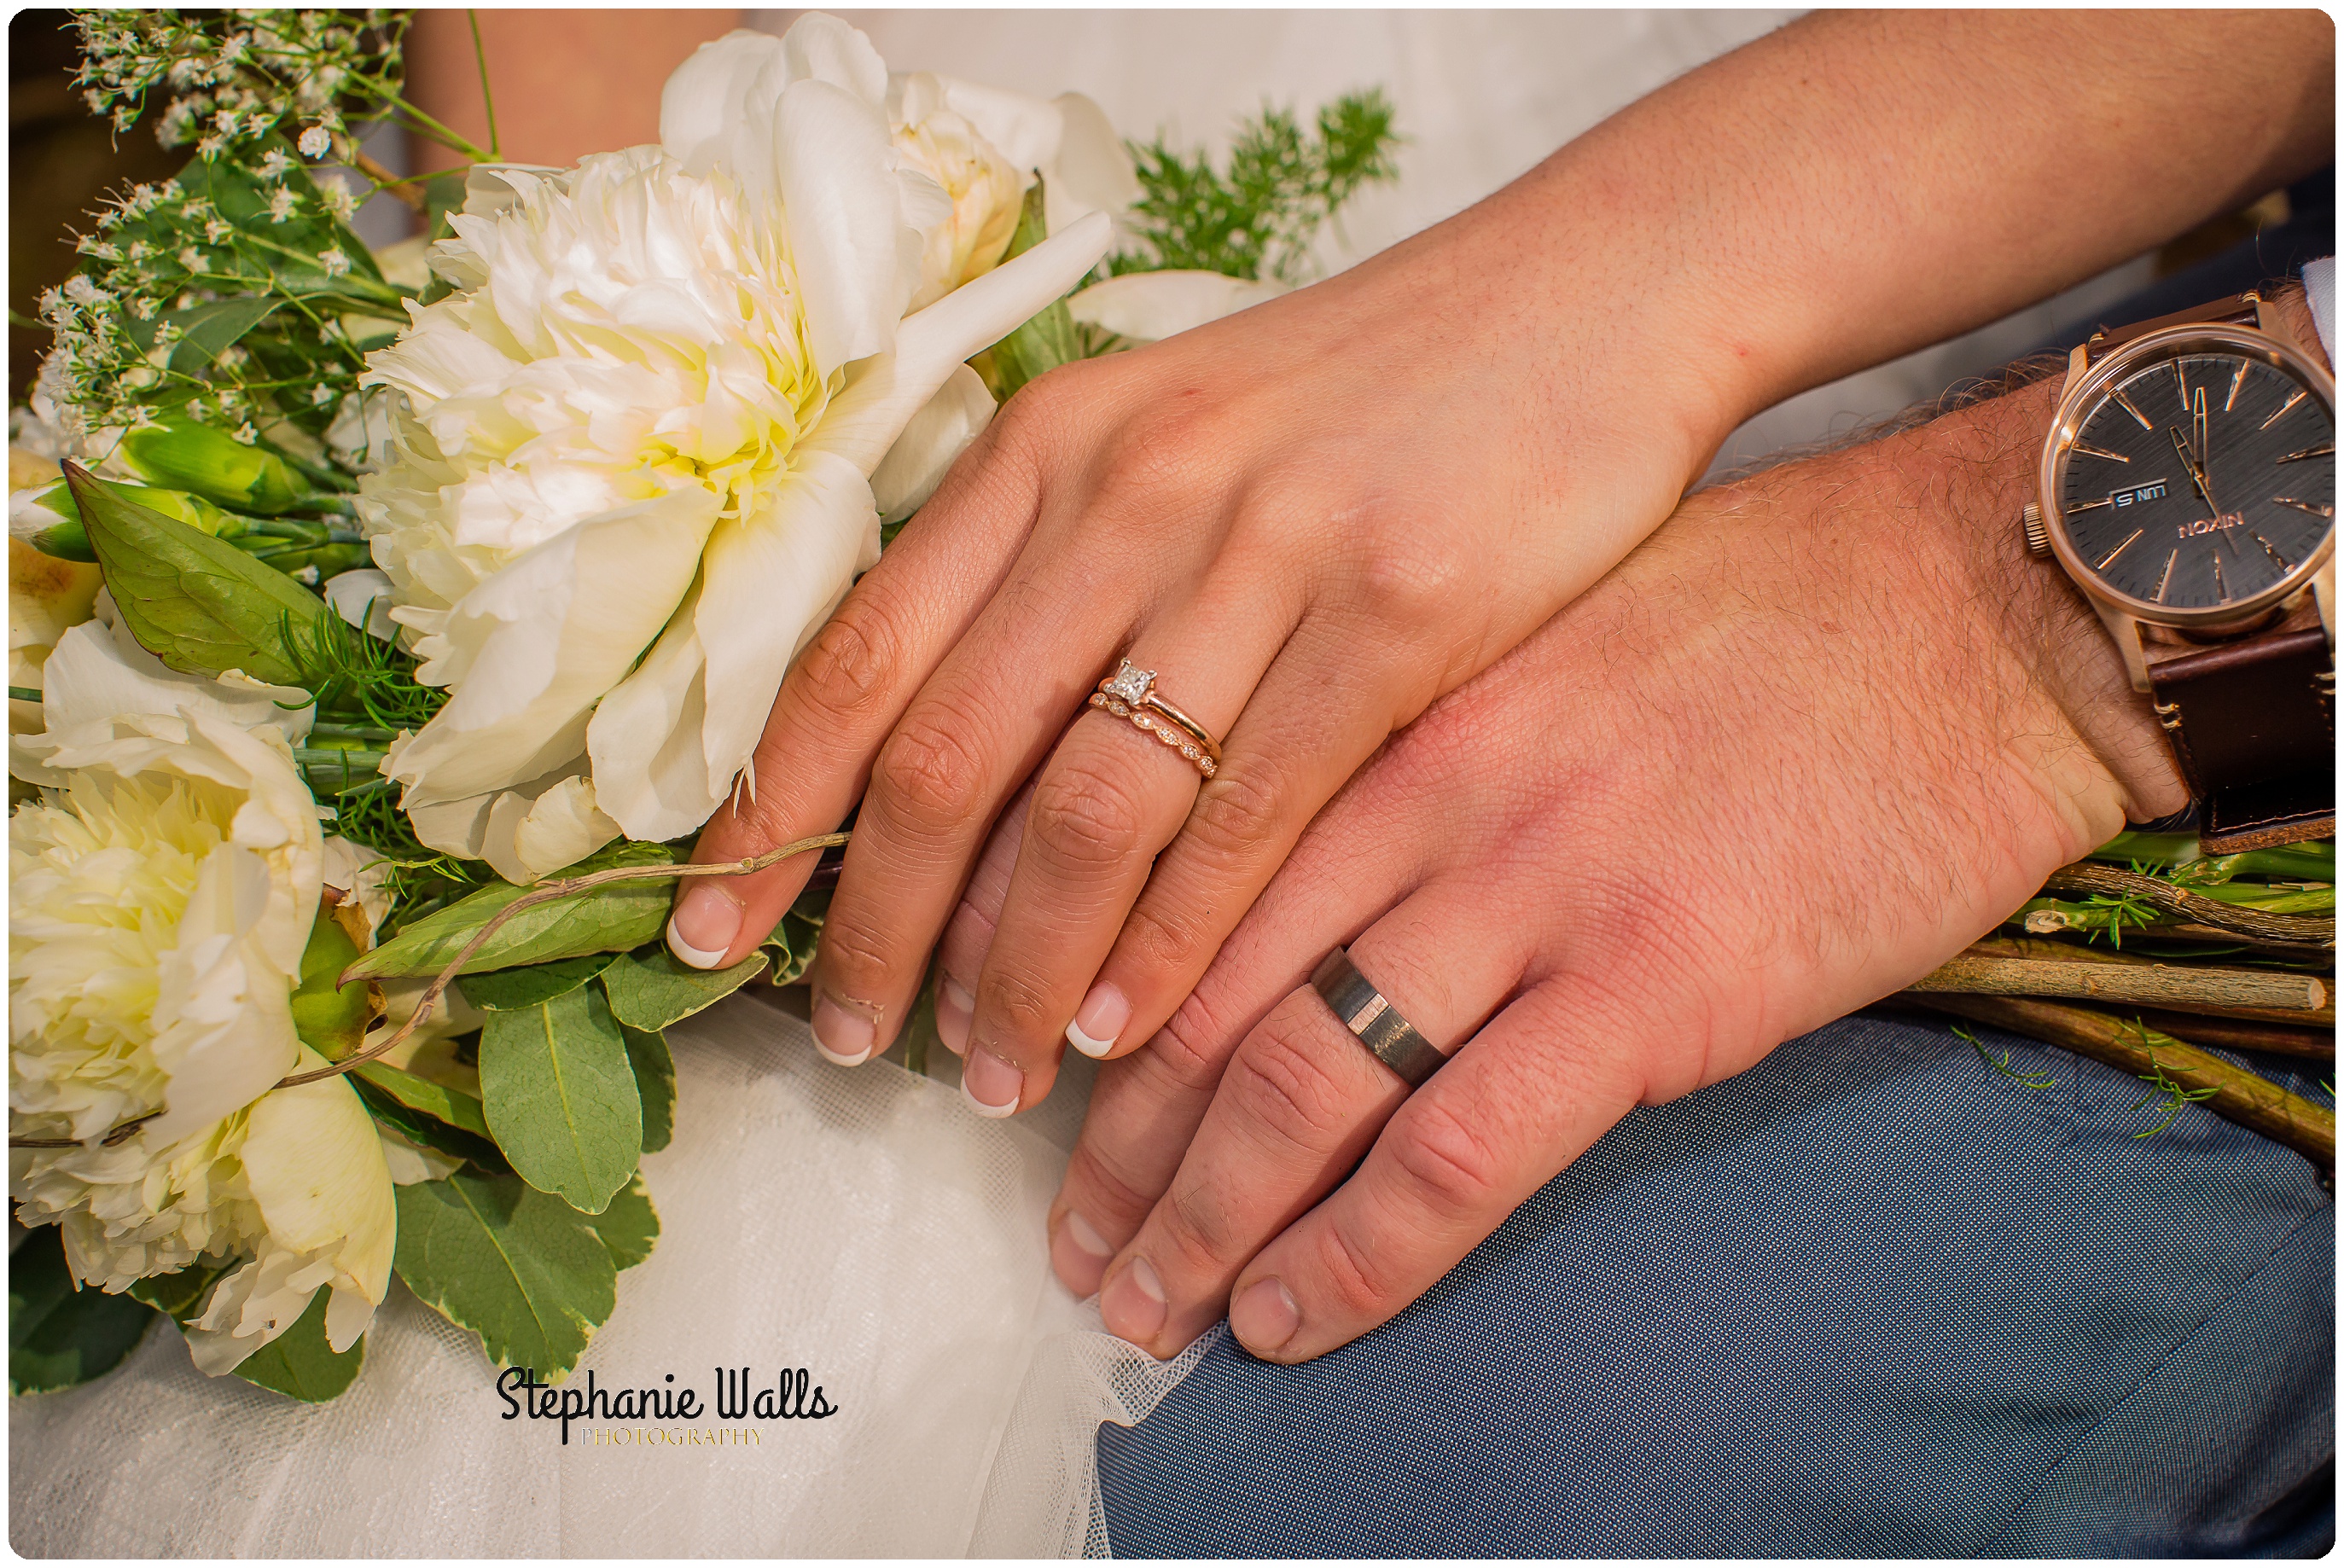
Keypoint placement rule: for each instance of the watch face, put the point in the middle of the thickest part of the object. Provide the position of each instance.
(2200, 480)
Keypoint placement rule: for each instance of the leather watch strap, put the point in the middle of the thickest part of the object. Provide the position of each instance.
(2238, 310)
(2253, 724)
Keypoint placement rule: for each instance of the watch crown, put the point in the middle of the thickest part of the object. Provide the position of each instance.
(2038, 538)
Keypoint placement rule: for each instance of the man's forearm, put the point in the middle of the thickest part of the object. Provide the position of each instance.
(1857, 186)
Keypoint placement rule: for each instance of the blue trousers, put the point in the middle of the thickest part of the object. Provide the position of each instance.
(1872, 1297)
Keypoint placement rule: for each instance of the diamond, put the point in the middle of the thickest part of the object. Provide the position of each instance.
(1189, 752)
(1130, 683)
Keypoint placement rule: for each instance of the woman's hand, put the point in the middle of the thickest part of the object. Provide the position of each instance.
(1311, 520)
(1825, 727)
(1314, 518)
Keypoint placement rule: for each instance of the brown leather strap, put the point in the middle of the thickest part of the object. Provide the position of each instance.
(2238, 310)
(2253, 724)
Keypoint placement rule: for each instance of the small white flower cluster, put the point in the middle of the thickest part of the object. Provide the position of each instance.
(234, 76)
(239, 82)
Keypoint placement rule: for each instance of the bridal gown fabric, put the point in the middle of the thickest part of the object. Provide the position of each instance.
(863, 1224)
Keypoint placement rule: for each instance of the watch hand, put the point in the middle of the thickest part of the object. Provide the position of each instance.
(2197, 473)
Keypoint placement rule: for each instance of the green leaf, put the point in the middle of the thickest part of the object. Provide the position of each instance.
(199, 604)
(299, 1362)
(59, 1336)
(613, 918)
(629, 1227)
(509, 991)
(561, 1096)
(332, 1019)
(522, 1270)
(429, 1114)
(1046, 339)
(212, 329)
(655, 1083)
(654, 988)
(920, 1036)
(793, 940)
(179, 1295)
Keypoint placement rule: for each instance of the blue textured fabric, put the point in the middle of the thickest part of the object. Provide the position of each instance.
(1870, 1297)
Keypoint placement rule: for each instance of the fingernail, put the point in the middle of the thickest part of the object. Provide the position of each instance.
(955, 1008)
(842, 1035)
(703, 927)
(991, 1084)
(1099, 1020)
(1079, 1255)
(1264, 1315)
(1133, 1306)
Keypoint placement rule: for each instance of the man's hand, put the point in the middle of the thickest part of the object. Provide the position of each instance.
(1314, 518)
(1825, 727)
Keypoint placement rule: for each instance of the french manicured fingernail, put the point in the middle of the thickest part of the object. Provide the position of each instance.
(990, 1085)
(1080, 1254)
(955, 1008)
(1133, 1306)
(703, 926)
(1264, 1315)
(842, 1035)
(1099, 1020)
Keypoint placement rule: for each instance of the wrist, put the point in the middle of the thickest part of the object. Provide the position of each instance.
(2113, 763)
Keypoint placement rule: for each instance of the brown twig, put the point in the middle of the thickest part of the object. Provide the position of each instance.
(2106, 882)
(398, 185)
(2239, 1096)
(568, 886)
(2243, 1034)
(2161, 985)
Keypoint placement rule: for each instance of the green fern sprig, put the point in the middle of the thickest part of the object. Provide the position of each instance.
(1258, 219)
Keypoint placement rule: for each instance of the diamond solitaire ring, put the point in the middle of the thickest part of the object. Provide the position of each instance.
(1130, 693)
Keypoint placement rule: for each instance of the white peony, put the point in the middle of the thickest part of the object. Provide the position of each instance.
(162, 890)
(633, 465)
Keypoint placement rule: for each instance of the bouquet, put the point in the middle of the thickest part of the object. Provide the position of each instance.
(384, 626)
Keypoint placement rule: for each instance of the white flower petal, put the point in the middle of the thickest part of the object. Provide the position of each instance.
(545, 638)
(710, 97)
(834, 165)
(362, 597)
(938, 434)
(1093, 171)
(706, 691)
(1147, 306)
(882, 396)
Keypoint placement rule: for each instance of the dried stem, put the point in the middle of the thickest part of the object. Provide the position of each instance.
(2239, 1096)
(2106, 882)
(398, 185)
(2156, 985)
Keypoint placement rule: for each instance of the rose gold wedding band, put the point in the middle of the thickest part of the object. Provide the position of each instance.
(1130, 693)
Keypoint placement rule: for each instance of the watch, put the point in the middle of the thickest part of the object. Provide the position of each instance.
(2188, 486)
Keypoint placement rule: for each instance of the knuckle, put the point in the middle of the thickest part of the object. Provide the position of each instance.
(1087, 813)
(1199, 1221)
(1186, 1050)
(844, 670)
(1111, 1190)
(1447, 1164)
(1408, 578)
(1350, 1275)
(1013, 997)
(1236, 815)
(854, 956)
(1166, 939)
(928, 774)
(1279, 1079)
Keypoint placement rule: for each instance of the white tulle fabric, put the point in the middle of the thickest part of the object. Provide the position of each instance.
(864, 1224)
